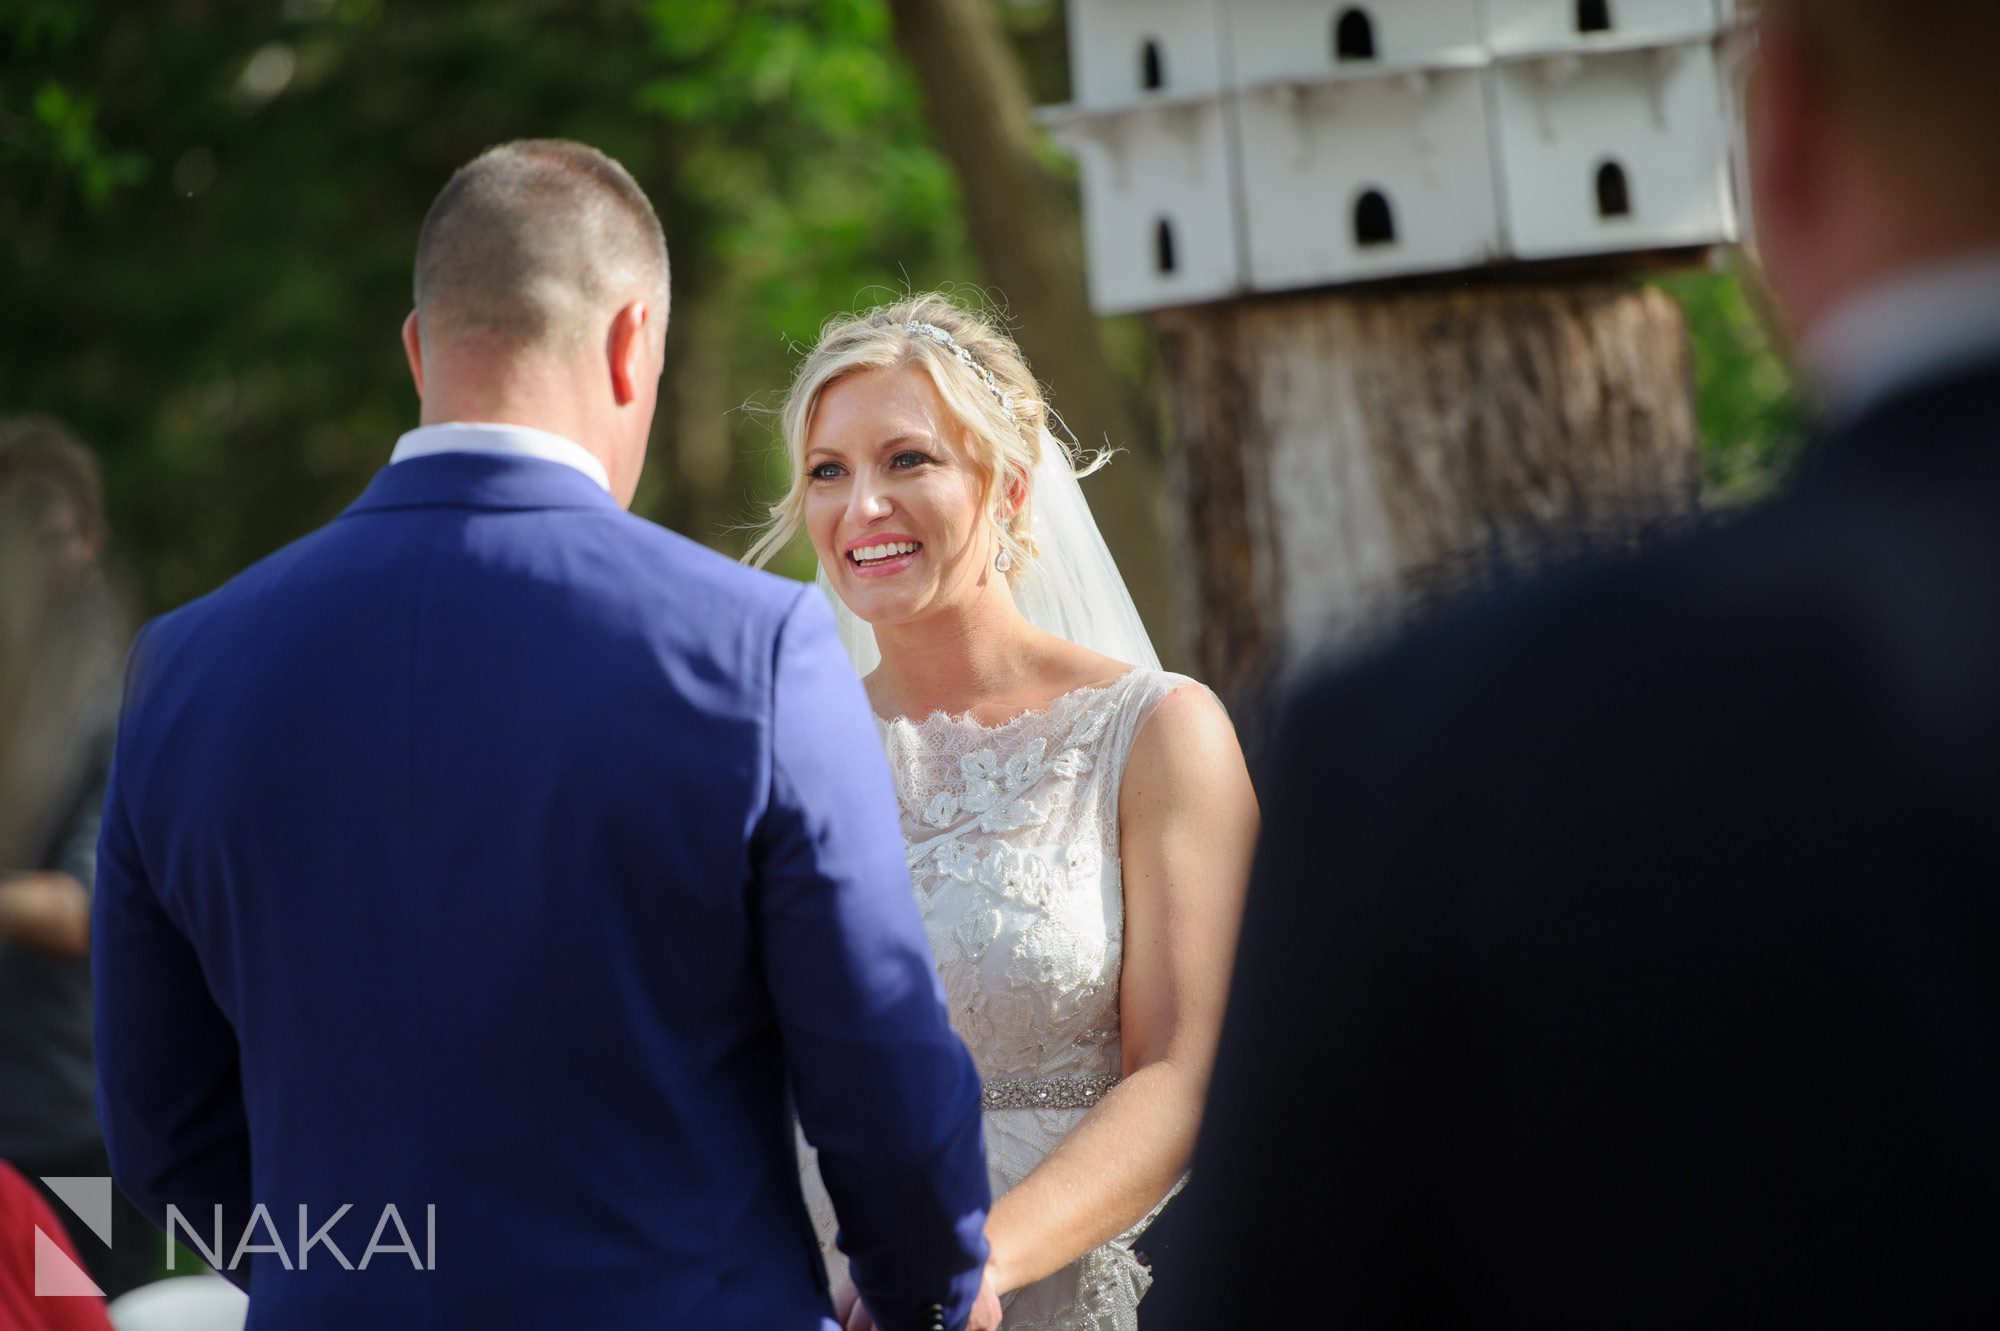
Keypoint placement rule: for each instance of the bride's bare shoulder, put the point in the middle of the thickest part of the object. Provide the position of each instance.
(1186, 766)
(1067, 667)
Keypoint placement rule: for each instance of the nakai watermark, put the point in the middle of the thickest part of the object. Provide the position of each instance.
(89, 1200)
(210, 1245)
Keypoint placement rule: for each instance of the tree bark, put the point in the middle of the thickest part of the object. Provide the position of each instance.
(1024, 227)
(1349, 459)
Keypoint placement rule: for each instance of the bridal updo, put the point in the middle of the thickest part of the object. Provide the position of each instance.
(978, 372)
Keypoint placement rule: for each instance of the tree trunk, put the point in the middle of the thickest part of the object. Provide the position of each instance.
(1025, 229)
(696, 480)
(1349, 459)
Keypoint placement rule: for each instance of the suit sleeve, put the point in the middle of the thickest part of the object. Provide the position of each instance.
(886, 1092)
(169, 1089)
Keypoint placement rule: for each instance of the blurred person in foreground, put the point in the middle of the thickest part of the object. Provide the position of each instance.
(1645, 924)
(60, 692)
(496, 856)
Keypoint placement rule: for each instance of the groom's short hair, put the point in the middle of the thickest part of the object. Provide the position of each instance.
(529, 243)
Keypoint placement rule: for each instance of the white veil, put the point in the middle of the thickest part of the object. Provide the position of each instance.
(1071, 587)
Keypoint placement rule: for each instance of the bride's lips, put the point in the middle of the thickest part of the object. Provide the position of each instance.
(882, 568)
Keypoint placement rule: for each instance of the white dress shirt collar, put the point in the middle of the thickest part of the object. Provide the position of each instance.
(1918, 326)
(520, 441)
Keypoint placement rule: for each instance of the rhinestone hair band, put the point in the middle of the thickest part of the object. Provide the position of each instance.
(950, 343)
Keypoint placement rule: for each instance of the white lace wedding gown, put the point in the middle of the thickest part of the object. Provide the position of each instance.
(1012, 833)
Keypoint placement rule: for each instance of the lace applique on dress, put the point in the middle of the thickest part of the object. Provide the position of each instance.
(1012, 835)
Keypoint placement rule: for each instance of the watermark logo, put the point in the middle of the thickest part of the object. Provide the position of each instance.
(57, 1276)
(260, 1225)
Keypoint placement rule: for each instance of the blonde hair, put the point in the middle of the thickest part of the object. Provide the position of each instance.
(978, 372)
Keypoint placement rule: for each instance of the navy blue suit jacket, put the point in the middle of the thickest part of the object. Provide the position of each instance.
(494, 851)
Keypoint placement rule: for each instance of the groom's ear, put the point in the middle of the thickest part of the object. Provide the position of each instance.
(413, 351)
(631, 350)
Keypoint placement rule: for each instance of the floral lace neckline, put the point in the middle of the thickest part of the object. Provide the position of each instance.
(966, 721)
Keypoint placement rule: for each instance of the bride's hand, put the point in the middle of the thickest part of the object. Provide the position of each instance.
(986, 1305)
(848, 1309)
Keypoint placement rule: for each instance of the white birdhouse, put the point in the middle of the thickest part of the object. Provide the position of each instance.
(1281, 144)
(1305, 40)
(1379, 176)
(1533, 26)
(1160, 224)
(1151, 129)
(1618, 151)
(1125, 51)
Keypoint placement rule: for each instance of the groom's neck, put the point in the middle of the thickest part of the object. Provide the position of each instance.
(518, 390)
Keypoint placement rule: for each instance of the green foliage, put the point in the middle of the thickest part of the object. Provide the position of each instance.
(48, 130)
(70, 142)
(1752, 421)
(208, 212)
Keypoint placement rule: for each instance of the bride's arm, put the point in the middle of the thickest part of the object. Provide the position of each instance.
(1187, 826)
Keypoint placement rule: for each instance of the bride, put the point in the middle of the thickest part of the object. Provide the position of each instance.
(1079, 823)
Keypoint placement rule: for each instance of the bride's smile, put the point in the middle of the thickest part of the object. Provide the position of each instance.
(880, 555)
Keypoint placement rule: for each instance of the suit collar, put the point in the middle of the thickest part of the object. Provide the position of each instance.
(506, 440)
(1924, 325)
(479, 480)
(1954, 414)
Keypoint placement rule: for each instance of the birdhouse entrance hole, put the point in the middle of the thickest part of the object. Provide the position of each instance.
(1374, 220)
(1614, 191)
(1152, 69)
(1354, 36)
(1593, 15)
(1163, 246)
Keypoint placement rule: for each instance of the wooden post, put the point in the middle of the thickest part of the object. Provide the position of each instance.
(1348, 458)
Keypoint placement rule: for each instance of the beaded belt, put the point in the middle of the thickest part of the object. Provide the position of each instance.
(1052, 1093)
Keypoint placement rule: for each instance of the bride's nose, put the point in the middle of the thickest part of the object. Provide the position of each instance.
(866, 503)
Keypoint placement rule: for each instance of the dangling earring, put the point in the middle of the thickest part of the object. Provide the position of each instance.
(1003, 561)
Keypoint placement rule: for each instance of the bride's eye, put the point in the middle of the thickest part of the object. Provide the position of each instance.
(825, 471)
(904, 461)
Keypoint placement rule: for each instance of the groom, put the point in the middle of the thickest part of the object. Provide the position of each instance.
(498, 867)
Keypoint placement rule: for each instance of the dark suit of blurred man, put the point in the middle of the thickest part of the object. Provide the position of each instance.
(1626, 951)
